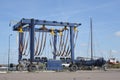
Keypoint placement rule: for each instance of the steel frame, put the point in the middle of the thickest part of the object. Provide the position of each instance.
(32, 22)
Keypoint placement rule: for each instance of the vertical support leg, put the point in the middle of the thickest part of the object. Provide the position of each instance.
(55, 44)
(20, 46)
(32, 40)
(72, 42)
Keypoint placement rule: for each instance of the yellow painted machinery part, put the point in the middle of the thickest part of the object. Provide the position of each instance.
(20, 30)
(65, 28)
(60, 33)
(75, 29)
(52, 31)
(43, 28)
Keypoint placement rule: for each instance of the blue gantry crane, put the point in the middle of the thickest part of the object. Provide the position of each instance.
(25, 25)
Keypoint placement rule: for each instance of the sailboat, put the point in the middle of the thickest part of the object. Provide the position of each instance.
(99, 62)
(81, 63)
(92, 62)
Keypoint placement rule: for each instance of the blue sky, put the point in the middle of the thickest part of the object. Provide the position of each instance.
(105, 15)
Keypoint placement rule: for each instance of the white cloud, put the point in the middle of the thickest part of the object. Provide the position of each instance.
(117, 33)
(114, 51)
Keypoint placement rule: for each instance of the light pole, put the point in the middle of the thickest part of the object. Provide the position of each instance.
(9, 51)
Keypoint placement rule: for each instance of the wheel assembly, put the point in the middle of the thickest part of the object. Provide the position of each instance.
(19, 67)
(32, 68)
(73, 67)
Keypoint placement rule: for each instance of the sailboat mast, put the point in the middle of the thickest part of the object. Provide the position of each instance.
(91, 33)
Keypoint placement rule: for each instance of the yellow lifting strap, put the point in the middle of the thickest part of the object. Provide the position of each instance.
(20, 30)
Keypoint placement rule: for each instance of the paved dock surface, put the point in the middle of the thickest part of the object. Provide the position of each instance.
(48, 75)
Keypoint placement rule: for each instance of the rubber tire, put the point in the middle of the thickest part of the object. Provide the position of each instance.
(91, 68)
(73, 67)
(32, 68)
(19, 67)
(105, 67)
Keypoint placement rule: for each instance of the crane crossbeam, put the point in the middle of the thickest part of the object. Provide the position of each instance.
(43, 22)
